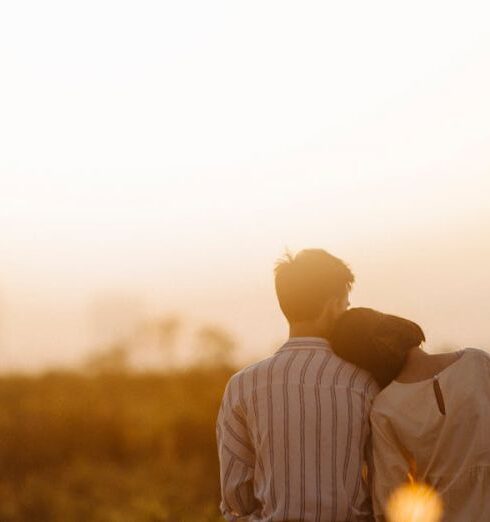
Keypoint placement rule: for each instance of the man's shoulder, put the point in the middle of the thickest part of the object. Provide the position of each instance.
(337, 372)
(251, 369)
(352, 376)
(243, 381)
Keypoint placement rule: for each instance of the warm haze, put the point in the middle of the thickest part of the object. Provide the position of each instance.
(172, 151)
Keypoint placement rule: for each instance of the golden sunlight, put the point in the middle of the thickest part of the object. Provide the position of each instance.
(414, 502)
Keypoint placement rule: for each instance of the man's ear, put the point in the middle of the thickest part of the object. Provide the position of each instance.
(331, 311)
(334, 306)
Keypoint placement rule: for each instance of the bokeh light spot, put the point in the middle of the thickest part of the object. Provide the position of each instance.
(414, 502)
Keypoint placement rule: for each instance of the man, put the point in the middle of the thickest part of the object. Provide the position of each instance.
(292, 429)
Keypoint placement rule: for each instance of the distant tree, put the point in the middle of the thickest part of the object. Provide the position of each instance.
(2, 315)
(115, 359)
(215, 346)
(166, 331)
(157, 336)
(115, 316)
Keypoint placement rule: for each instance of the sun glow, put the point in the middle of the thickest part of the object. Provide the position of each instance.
(178, 150)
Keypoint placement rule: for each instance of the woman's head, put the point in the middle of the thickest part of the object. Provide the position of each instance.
(377, 342)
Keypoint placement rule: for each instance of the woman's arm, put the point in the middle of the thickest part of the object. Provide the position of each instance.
(391, 463)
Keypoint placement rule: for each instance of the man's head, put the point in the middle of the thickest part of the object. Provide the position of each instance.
(312, 288)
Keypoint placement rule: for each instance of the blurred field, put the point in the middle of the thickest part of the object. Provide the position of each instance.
(110, 448)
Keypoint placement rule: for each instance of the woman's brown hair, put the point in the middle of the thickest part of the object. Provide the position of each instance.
(375, 341)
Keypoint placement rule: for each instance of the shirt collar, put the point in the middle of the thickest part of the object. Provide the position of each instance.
(298, 343)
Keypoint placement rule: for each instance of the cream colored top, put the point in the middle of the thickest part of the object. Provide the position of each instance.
(451, 450)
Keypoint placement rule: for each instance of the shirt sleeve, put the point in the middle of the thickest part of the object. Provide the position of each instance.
(372, 391)
(367, 467)
(391, 464)
(236, 458)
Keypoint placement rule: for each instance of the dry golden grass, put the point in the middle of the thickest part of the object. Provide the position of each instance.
(110, 448)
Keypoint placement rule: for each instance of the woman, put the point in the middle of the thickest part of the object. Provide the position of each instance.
(431, 421)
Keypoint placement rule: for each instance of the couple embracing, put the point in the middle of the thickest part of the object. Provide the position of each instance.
(348, 409)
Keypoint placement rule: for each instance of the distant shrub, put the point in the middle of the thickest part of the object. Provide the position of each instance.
(116, 447)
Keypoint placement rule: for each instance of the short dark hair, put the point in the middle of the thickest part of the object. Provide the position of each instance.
(375, 341)
(306, 281)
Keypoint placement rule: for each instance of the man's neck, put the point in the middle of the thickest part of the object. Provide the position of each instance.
(306, 330)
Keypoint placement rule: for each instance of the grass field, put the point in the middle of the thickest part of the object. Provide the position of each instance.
(107, 448)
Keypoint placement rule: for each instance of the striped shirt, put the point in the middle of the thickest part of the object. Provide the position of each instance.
(292, 435)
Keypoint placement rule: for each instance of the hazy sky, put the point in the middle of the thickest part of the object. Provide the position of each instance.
(170, 151)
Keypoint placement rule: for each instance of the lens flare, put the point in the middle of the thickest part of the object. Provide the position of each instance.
(414, 502)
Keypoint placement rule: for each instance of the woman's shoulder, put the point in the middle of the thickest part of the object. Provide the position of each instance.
(477, 353)
(473, 358)
(394, 394)
(477, 356)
